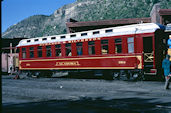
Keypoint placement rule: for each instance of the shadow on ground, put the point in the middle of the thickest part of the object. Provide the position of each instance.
(90, 105)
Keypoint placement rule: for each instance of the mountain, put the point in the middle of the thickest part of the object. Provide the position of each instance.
(82, 10)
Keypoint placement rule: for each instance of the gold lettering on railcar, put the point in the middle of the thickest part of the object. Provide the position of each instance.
(86, 39)
(72, 63)
(71, 41)
(121, 62)
(27, 64)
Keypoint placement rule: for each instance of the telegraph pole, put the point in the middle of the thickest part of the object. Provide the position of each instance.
(10, 69)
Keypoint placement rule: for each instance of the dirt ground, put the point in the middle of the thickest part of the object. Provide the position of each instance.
(64, 95)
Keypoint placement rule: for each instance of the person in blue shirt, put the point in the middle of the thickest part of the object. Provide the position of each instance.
(166, 66)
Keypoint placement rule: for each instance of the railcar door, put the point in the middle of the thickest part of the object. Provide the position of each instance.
(148, 53)
(160, 50)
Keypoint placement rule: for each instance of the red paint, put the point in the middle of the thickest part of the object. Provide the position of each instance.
(90, 61)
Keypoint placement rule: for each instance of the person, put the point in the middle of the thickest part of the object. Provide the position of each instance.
(166, 66)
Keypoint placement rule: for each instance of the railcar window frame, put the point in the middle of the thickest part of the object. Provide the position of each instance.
(109, 31)
(39, 51)
(91, 48)
(36, 40)
(53, 38)
(72, 36)
(118, 45)
(130, 41)
(48, 51)
(104, 46)
(79, 46)
(62, 37)
(31, 50)
(83, 34)
(68, 49)
(28, 41)
(43, 39)
(96, 32)
(58, 50)
(23, 52)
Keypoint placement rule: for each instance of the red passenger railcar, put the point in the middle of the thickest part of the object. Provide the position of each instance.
(132, 50)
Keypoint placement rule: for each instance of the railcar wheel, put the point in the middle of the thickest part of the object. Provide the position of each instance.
(123, 75)
(29, 74)
(36, 74)
(137, 76)
(116, 76)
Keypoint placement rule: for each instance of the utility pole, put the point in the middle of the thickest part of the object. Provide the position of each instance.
(10, 69)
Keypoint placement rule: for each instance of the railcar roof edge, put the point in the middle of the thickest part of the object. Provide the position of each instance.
(121, 30)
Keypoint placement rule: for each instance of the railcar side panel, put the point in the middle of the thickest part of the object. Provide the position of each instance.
(102, 62)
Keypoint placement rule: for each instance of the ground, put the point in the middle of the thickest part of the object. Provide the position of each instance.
(65, 95)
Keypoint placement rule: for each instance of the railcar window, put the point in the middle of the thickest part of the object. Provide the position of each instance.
(104, 46)
(68, 49)
(28, 40)
(36, 40)
(48, 51)
(18, 50)
(58, 50)
(52, 38)
(109, 30)
(62, 37)
(91, 47)
(44, 39)
(79, 48)
(130, 42)
(31, 52)
(39, 49)
(23, 52)
(118, 45)
(83, 34)
(96, 32)
(73, 36)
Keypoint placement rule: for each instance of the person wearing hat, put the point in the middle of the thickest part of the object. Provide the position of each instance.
(166, 66)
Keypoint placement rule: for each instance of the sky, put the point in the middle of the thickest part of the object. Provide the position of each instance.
(13, 11)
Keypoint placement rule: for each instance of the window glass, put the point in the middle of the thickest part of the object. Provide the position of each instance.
(79, 48)
(28, 40)
(31, 52)
(23, 52)
(53, 38)
(96, 32)
(73, 35)
(48, 51)
(104, 46)
(18, 50)
(130, 45)
(109, 30)
(91, 47)
(36, 40)
(83, 34)
(44, 39)
(58, 50)
(118, 45)
(68, 49)
(62, 37)
(39, 50)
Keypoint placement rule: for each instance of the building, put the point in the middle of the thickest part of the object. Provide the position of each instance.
(75, 26)
(9, 55)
